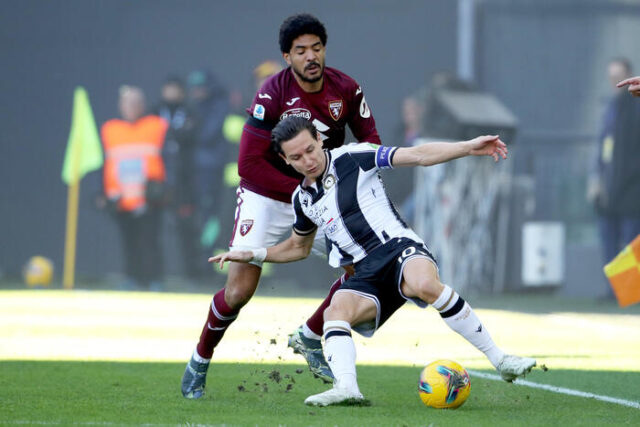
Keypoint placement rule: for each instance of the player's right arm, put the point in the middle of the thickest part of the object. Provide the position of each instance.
(295, 248)
(258, 165)
(253, 164)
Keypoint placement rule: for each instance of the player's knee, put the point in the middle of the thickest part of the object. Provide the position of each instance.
(336, 311)
(236, 298)
(429, 288)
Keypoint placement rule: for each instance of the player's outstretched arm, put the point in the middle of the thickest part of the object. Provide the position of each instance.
(439, 152)
(633, 83)
(294, 248)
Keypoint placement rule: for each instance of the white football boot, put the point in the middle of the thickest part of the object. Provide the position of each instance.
(512, 367)
(335, 396)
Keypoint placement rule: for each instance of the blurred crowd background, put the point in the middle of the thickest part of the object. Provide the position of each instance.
(538, 72)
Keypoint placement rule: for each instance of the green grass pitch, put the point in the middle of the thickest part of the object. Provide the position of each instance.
(109, 358)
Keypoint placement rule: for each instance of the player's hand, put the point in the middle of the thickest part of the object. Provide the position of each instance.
(633, 83)
(236, 256)
(488, 145)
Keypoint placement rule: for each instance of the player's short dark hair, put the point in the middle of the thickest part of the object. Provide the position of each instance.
(288, 129)
(298, 25)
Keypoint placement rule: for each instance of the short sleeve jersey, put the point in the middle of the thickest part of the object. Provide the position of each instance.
(339, 103)
(348, 203)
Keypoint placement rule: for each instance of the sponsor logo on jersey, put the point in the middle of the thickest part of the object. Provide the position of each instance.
(258, 112)
(293, 101)
(365, 113)
(332, 228)
(315, 212)
(245, 226)
(264, 96)
(329, 181)
(335, 108)
(296, 112)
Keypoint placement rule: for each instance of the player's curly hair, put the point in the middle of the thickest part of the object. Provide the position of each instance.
(297, 25)
(288, 129)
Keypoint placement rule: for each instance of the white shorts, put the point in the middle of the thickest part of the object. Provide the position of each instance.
(261, 222)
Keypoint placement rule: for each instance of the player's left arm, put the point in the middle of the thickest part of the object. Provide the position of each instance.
(362, 123)
(439, 152)
(295, 248)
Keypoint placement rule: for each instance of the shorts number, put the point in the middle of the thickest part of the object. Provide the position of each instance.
(407, 253)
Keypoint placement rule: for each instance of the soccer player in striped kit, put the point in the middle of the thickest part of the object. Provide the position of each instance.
(343, 197)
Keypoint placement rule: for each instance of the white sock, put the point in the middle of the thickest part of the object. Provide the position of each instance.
(340, 352)
(309, 333)
(199, 358)
(460, 317)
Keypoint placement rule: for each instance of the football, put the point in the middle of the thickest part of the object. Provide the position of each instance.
(38, 272)
(444, 384)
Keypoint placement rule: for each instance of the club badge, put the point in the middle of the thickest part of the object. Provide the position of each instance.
(328, 181)
(245, 226)
(335, 108)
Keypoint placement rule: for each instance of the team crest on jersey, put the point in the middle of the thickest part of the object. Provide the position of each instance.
(245, 226)
(329, 181)
(335, 108)
(296, 112)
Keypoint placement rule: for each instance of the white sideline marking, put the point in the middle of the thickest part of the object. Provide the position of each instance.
(560, 390)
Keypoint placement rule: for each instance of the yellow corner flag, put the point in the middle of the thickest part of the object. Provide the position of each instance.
(624, 274)
(83, 155)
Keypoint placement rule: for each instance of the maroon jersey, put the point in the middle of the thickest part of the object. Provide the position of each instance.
(339, 103)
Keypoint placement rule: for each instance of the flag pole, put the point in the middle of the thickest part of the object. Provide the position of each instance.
(73, 198)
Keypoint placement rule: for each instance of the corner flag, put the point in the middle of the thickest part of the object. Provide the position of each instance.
(624, 274)
(84, 153)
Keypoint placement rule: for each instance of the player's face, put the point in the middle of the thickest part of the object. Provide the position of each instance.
(304, 153)
(306, 58)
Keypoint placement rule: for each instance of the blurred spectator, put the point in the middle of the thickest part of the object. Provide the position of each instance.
(179, 158)
(401, 183)
(211, 104)
(134, 180)
(614, 184)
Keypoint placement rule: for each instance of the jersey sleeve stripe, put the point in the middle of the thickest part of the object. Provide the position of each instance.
(252, 121)
(304, 233)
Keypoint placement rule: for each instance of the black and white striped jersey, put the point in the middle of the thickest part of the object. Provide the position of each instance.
(348, 203)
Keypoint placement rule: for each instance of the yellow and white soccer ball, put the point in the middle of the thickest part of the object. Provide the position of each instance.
(38, 272)
(444, 384)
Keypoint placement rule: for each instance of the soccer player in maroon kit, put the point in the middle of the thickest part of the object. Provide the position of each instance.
(329, 99)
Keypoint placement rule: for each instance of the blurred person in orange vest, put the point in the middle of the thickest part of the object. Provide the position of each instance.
(134, 180)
